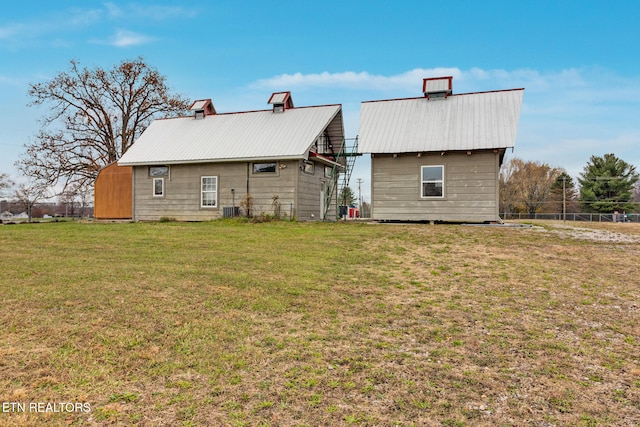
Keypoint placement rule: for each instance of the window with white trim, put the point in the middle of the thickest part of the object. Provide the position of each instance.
(158, 187)
(432, 181)
(209, 192)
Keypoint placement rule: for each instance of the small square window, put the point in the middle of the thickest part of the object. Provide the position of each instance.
(308, 167)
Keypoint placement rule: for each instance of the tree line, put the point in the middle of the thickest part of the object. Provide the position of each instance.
(607, 184)
(93, 115)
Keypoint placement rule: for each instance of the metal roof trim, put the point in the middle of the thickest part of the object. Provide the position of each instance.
(200, 161)
(450, 96)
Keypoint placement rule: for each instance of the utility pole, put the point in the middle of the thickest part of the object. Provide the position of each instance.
(564, 198)
(360, 195)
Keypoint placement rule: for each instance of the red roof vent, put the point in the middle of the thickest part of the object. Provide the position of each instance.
(281, 101)
(202, 108)
(437, 87)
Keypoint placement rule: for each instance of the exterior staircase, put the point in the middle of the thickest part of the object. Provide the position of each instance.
(339, 178)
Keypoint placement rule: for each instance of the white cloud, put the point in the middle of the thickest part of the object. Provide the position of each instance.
(163, 12)
(474, 79)
(43, 30)
(155, 12)
(56, 27)
(353, 80)
(11, 30)
(113, 10)
(12, 81)
(567, 115)
(125, 38)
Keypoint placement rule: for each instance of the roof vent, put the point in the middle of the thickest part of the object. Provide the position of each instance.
(437, 87)
(281, 101)
(202, 108)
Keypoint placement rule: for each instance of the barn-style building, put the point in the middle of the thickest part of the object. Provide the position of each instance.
(203, 166)
(437, 157)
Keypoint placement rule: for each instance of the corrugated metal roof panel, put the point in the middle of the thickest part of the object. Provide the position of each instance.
(472, 121)
(228, 137)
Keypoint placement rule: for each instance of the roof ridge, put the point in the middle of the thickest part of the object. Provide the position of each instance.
(449, 96)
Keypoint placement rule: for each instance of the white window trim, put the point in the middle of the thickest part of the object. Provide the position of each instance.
(422, 196)
(153, 188)
(202, 178)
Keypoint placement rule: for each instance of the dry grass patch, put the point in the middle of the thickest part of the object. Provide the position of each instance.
(285, 324)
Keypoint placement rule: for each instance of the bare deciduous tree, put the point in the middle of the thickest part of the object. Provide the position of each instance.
(636, 196)
(28, 194)
(5, 183)
(508, 190)
(94, 116)
(76, 199)
(526, 185)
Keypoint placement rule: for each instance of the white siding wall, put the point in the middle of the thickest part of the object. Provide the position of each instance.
(471, 187)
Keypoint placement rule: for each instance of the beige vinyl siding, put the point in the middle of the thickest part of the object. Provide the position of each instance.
(335, 131)
(263, 186)
(310, 187)
(182, 190)
(470, 187)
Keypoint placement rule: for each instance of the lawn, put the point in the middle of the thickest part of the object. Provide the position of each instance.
(231, 323)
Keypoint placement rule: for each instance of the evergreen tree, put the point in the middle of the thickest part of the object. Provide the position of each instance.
(607, 184)
(346, 197)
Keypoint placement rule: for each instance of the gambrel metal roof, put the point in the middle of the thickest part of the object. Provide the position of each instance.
(254, 135)
(474, 121)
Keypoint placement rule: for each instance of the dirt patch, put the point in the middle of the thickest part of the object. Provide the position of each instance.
(597, 233)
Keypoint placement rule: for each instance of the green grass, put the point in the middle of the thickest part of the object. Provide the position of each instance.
(292, 324)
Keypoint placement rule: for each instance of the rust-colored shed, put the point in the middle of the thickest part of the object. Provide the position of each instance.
(113, 192)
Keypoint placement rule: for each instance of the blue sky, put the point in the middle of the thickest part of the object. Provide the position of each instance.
(577, 60)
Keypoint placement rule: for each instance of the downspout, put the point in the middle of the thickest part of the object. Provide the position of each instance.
(371, 189)
(296, 196)
(248, 167)
(498, 160)
(247, 196)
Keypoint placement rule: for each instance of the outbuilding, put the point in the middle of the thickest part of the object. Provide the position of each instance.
(437, 157)
(112, 193)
